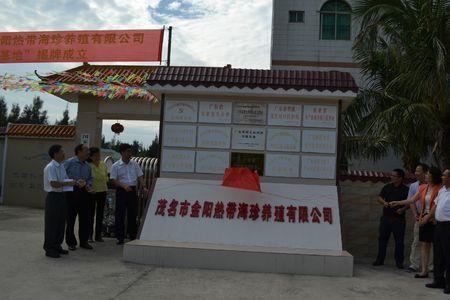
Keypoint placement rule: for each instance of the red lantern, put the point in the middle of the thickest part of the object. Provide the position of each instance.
(117, 128)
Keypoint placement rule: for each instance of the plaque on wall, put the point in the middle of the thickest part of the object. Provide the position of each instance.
(179, 135)
(180, 111)
(253, 161)
(181, 161)
(324, 116)
(287, 140)
(319, 167)
(214, 137)
(319, 141)
(249, 138)
(249, 113)
(212, 162)
(215, 112)
(284, 114)
(282, 165)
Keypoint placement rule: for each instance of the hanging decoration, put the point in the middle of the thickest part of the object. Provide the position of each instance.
(117, 128)
(109, 85)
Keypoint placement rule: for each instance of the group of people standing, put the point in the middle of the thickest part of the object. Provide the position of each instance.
(77, 187)
(429, 200)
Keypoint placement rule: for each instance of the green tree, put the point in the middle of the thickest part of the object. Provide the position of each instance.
(3, 112)
(403, 49)
(33, 113)
(14, 113)
(65, 120)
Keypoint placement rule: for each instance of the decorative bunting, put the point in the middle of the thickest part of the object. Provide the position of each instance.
(113, 86)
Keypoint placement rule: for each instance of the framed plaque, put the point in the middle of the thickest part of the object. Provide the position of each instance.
(286, 140)
(284, 115)
(215, 112)
(249, 138)
(179, 135)
(319, 167)
(322, 116)
(181, 161)
(214, 137)
(282, 165)
(181, 111)
(319, 141)
(249, 113)
(212, 162)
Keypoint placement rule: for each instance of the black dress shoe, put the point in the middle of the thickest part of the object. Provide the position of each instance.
(100, 240)
(86, 246)
(399, 266)
(421, 276)
(435, 285)
(72, 247)
(120, 243)
(62, 251)
(410, 270)
(52, 254)
(377, 263)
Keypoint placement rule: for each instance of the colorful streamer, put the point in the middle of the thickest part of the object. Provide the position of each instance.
(109, 85)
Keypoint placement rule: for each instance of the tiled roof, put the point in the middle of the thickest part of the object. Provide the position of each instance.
(252, 78)
(75, 75)
(371, 176)
(38, 130)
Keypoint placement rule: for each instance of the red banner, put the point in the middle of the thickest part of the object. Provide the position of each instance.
(81, 46)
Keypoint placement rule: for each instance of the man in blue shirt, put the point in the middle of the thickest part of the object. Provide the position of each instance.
(78, 200)
(416, 208)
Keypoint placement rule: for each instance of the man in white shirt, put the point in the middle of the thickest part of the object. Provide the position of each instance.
(414, 257)
(441, 247)
(125, 175)
(55, 178)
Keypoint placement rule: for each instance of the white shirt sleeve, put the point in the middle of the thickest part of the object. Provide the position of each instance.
(114, 174)
(51, 174)
(139, 172)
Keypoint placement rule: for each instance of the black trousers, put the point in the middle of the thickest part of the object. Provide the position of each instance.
(126, 204)
(441, 253)
(397, 227)
(78, 205)
(96, 209)
(55, 221)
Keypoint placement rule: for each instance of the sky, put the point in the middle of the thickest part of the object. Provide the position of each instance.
(205, 33)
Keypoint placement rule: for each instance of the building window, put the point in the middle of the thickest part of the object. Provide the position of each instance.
(335, 20)
(296, 16)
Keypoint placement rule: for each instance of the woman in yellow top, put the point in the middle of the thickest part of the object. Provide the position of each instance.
(98, 194)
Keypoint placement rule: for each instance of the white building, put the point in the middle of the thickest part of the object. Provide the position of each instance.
(313, 35)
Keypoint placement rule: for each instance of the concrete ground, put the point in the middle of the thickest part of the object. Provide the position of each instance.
(25, 273)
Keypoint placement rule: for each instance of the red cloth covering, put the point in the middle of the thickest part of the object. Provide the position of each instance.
(241, 178)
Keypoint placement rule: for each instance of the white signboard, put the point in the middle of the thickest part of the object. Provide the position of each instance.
(320, 167)
(249, 138)
(287, 140)
(293, 216)
(317, 141)
(249, 113)
(86, 139)
(285, 114)
(178, 161)
(281, 165)
(180, 111)
(214, 137)
(212, 162)
(320, 116)
(215, 112)
(179, 135)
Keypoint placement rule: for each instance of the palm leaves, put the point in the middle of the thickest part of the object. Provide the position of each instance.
(402, 48)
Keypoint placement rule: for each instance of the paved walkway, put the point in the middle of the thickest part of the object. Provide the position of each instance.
(25, 273)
